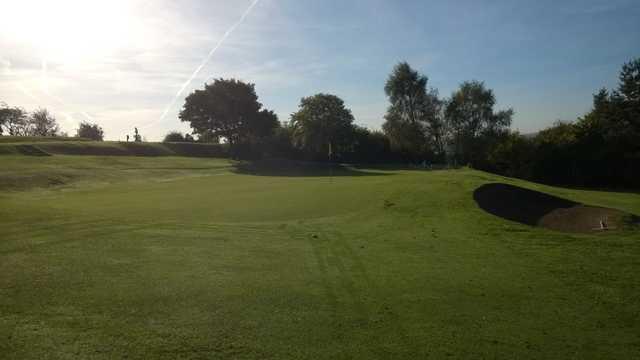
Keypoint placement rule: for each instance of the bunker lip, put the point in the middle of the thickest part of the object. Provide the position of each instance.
(538, 209)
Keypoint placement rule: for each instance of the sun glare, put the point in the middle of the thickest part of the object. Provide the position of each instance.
(70, 31)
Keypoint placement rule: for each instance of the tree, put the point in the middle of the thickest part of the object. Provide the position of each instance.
(512, 155)
(413, 121)
(322, 126)
(472, 120)
(608, 137)
(370, 147)
(228, 109)
(90, 131)
(629, 77)
(629, 98)
(43, 123)
(174, 136)
(14, 121)
(3, 106)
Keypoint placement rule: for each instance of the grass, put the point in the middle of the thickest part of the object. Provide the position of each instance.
(172, 257)
(73, 146)
(32, 139)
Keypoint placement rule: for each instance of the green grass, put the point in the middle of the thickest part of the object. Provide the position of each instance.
(73, 146)
(32, 139)
(170, 257)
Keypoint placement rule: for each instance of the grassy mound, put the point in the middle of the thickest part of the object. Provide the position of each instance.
(32, 139)
(44, 146)
(157, 257)
(536, 208)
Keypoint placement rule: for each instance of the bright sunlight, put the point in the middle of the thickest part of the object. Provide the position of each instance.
(72, 31)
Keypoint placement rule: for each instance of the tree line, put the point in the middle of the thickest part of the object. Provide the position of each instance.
(419, 125)
(601, 148)
(16, 121)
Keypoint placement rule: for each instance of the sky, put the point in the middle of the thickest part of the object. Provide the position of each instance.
(130, 63)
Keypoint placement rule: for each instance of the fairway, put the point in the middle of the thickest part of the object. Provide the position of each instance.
(173, 257)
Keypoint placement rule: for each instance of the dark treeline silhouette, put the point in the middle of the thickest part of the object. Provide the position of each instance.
(419, 126)
(177, 136)
(600, 149)
(15, 121)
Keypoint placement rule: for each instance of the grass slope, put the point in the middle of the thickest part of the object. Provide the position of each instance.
(71, 146)
(34, 139)
(183, 258)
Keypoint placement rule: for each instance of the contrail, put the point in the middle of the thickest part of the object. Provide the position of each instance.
(44, 89)
(205, 61)
(9, 72)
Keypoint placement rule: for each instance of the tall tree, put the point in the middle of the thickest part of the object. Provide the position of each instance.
(471, 118)
(413, 121)
(228, 109)
(322, 126)
(43, 123)
(629, 91)
(629, 78)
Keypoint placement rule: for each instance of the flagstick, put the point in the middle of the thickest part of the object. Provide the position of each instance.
(330, 163)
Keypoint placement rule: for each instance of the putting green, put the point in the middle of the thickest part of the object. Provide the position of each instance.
(170, 257)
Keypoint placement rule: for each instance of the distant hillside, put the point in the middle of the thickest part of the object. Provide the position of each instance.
(34, 146)
(30, 139)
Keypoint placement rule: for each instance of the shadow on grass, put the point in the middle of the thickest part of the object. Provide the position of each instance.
(518, 204)
(299, 169)
(400, 167)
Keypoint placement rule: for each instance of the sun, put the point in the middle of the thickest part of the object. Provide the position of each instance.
(70, 31)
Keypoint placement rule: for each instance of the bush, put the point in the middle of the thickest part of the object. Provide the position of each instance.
(90, 131)
(174, 136)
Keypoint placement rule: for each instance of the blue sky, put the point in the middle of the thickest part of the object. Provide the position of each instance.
(121, 63)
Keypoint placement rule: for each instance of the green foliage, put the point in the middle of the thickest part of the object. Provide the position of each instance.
(512, 155)
(370, 147)
(473, 122)
(229, 109)
(629, 87)
(90, 131)
(174, 136)
(14, 121)
(413, 121)
(600, 149)
(323, 126)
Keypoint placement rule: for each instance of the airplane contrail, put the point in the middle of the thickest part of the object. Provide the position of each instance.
(205, 62)
(44, 89)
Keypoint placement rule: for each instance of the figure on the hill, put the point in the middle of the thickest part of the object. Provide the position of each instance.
(127, 137)
(136, 136)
